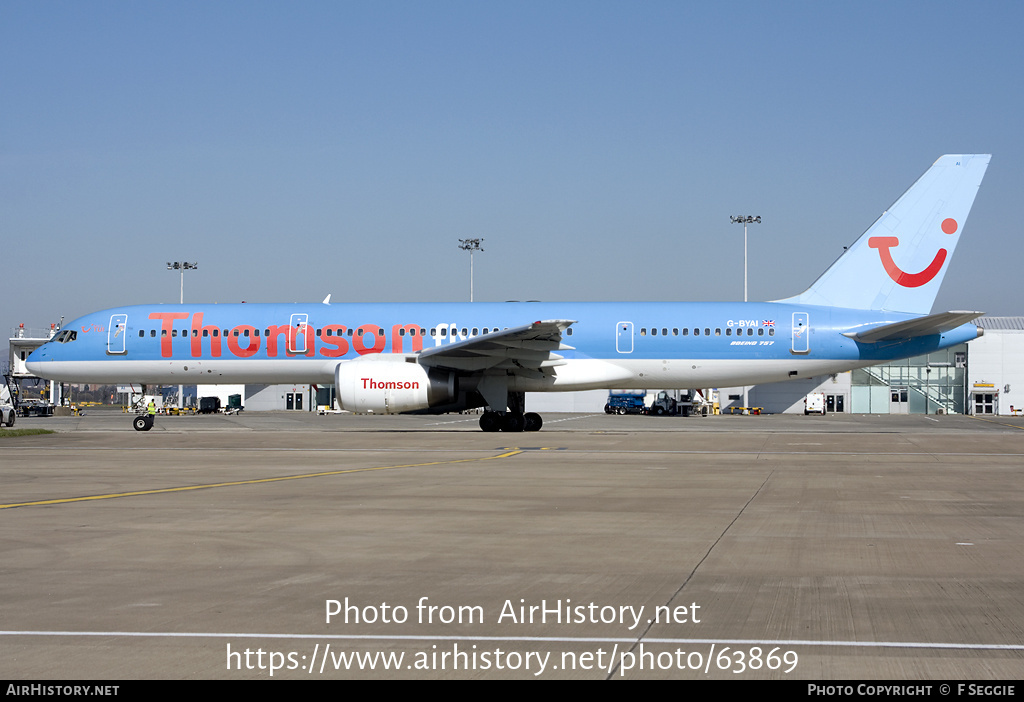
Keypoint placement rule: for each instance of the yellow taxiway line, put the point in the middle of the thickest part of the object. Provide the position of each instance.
(255, 481)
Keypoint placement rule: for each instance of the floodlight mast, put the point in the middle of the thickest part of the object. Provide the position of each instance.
(745, 220)
(182, 266)
(470, 245)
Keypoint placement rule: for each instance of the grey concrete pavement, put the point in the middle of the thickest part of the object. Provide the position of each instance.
(834, 547)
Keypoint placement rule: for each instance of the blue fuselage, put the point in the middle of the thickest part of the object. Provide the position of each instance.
(609, 344)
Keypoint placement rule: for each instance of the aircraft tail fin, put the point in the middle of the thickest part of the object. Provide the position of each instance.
(899, 262)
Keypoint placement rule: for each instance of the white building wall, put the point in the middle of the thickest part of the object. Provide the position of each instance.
(262, 398)
(257, 397)
(583, 401)
(998, 358)
(221, 391)
(275, 397)
(788, 397)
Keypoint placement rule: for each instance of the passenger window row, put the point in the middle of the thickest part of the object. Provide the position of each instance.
(403, 331)
(706, 331)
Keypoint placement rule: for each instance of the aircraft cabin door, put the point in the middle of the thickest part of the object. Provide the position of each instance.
(801, 333)
(116, 333)
(624, 337)
(297, 333)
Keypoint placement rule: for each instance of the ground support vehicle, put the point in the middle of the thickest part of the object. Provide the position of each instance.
(814, 403)
(626, 403)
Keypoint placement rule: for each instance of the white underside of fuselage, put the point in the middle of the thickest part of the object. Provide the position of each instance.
(575, 374)
(686, 373)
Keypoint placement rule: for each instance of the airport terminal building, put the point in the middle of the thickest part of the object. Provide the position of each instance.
(985, 376)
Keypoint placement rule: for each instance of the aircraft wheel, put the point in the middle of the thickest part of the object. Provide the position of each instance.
(533, 421)
(490, 421)
(513, 422)
(142, 423)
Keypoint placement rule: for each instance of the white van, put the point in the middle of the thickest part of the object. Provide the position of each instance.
(814, 402)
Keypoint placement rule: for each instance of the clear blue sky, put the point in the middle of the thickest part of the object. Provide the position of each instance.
(304, 148)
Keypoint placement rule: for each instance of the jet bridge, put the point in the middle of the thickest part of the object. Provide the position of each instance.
(21, 343)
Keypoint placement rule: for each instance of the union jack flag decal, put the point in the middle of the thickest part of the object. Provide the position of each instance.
(768, 323)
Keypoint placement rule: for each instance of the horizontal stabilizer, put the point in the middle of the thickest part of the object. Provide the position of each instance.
(922, 326)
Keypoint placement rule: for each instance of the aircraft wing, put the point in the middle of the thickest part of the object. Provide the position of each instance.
(922, 326)
(530, 347)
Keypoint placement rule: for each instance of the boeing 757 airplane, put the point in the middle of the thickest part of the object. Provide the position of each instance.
(871, 306)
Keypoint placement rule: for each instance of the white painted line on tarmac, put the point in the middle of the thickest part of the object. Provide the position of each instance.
(474, 449)
(569, 419)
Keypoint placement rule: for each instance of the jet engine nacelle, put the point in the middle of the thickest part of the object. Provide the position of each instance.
(385, 384)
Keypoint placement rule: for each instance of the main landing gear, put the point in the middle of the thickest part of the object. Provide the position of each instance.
(143, 422)
(510, 421)
(515, 419)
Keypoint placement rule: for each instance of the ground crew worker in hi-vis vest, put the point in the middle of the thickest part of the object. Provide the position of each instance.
(151, 409)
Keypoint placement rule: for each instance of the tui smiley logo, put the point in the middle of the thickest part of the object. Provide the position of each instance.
(910, 280)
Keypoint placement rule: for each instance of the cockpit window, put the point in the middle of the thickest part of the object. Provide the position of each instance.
(66, 336)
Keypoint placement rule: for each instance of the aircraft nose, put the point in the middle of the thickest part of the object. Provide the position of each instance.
(35, 360)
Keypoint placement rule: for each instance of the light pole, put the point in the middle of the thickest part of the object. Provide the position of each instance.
(181, 266)
(745, 220)
(470, 245)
